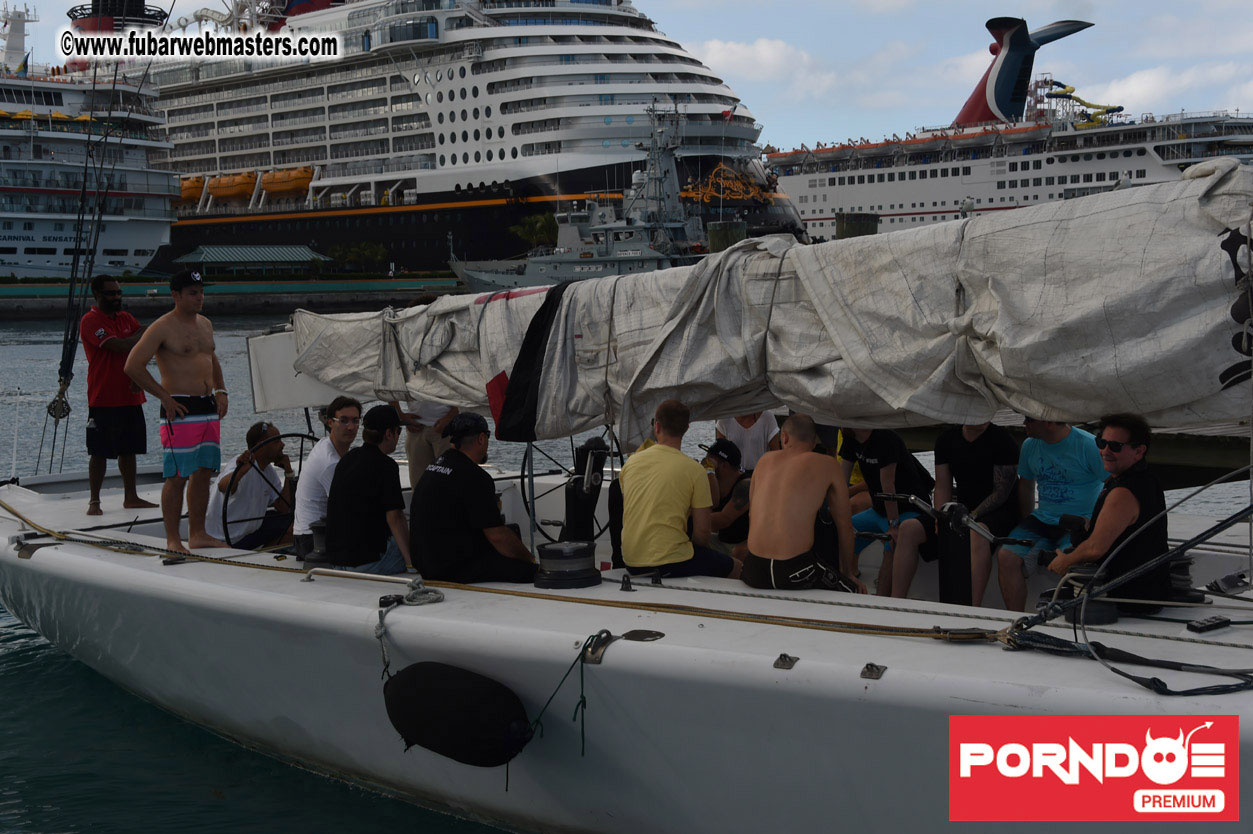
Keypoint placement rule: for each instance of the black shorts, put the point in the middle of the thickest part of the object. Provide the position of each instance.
(783, 574)
(705, 561)
(116, 430)
(806, 570)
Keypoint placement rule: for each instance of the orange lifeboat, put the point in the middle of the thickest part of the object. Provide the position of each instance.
(233, 186)
(190, 189)
(287, 181)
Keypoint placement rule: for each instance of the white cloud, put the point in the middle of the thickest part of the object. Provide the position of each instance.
(768, 60)
(1163, 88)
(1196, 36)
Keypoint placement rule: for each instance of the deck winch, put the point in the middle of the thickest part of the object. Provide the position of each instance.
(567, 565)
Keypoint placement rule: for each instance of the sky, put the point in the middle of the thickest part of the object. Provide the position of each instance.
(827, 70)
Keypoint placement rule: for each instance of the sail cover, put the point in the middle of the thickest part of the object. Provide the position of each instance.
(1131, 300)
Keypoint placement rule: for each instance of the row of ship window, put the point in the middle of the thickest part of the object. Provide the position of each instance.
(452, 116)
(862, 179)
(1098, 176)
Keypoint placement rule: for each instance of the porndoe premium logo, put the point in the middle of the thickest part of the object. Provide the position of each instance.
(1093, 767)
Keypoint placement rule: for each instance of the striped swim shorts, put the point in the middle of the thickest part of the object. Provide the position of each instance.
(192, 441)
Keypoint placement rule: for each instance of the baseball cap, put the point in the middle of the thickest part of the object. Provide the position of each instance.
(381, 418)
(186, 278)
(465, 423)
(724, 449)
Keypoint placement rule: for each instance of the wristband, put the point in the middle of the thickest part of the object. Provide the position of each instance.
(217, 391)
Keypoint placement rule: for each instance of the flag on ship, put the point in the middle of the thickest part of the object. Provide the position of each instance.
(21, 68)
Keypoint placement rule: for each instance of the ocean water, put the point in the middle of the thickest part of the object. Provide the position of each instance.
(79, 754)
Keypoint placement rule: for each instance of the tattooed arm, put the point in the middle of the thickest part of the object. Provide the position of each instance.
(1002, 487)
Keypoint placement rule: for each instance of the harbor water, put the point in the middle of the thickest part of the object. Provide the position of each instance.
(79, 754)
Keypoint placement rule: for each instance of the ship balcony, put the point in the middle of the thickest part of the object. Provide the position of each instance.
(283, 124)
(289, 141)
(297, 103)
(69, 211)
(299, 155)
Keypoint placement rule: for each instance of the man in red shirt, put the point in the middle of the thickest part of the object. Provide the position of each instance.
(115, 415)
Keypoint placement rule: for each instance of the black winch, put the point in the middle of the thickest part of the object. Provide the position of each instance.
(567, 565)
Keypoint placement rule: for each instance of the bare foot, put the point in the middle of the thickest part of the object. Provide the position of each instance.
(93, 508)
(176, 546)
(203, 540)
(137, 504)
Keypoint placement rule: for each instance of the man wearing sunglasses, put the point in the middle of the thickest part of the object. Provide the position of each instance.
(115, 416)
(1131, 501)
(343, 418)
(1062, 465)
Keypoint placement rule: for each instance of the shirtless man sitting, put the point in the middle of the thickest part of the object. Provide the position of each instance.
(787, 490)
(193, 401)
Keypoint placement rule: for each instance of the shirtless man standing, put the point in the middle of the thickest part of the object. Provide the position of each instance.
(788, 488)
(193, 401)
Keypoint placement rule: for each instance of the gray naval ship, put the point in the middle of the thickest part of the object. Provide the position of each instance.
(652, 231)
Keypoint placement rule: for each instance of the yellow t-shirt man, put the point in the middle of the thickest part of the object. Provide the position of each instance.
(660, 488)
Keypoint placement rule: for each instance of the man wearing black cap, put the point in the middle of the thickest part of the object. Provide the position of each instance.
(365, 512)
(193, 401)
(456, 531)
(729, 522)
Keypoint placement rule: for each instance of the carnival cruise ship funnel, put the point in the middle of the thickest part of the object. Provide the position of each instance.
(1001, 94)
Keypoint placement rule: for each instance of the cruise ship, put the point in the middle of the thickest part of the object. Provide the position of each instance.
(444, 117)
(78, 175)
(1016, 142)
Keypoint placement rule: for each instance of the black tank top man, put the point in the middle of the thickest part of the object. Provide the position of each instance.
(736, 531)
(1144, 485)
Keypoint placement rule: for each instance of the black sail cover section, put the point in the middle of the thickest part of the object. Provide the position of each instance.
(457, 713)
(517, 416)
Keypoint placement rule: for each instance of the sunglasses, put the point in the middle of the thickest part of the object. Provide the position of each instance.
(109, 293)
(347, 421)
(1114, 446)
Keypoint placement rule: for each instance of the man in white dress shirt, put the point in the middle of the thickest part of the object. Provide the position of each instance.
(343, 418)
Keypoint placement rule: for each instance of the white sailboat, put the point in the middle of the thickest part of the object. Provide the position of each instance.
(699, 705)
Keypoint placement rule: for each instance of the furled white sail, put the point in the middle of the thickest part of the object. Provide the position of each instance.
(1128, 300)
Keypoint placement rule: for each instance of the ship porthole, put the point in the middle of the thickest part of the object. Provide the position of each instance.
(609, 120)
(462, 73)
(474, 91)
(605, 143)
(489, 156)
(439, 75)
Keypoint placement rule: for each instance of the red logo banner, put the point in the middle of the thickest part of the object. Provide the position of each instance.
(1093, 767)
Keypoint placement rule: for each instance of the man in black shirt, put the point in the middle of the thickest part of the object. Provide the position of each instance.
(887, 466)
(1131, 500)
(456, 531)
(365, 512)
(982, 460)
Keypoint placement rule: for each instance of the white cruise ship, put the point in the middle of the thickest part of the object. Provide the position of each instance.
(76, 169)
(1014, 144)
(447, 116)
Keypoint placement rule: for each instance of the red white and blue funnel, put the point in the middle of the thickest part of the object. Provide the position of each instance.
(1002, 94)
